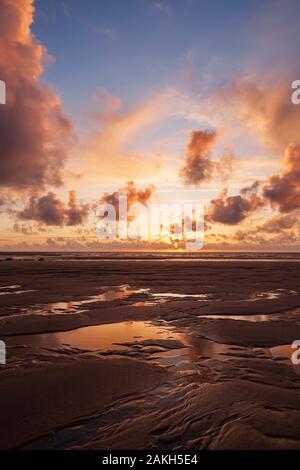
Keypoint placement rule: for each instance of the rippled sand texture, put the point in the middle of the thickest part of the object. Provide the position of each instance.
(112, 354)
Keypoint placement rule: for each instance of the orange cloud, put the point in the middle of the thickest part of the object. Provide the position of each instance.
(108, 153)
(34, 133)
(133, 194)
(267, 109)
(283, 191)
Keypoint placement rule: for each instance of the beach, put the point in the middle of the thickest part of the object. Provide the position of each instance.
(149, 353)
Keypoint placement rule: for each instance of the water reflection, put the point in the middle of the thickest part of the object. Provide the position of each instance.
(108, 294)
(205, 348)
(271, 294)
(251, 318)
(102, 337)
(13, 286)
(13, 289)
(162, 297)
(137, 297)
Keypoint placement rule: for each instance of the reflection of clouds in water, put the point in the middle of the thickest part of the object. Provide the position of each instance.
(73, 306)
(12, 289)
(103, 337)
(251, 318)
(271, 294)
(200, 347)
(107, 294)
(13, 286)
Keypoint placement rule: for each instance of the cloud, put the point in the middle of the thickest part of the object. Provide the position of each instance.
(224, 167)
(283, 191)
(232, 210)
(24, 229)
(50, 210)
(115, 129)
(134, 195)
(110, 149)
(279, 222)
(76, 213)
(34, 133)
(267, 109)
(198, 165)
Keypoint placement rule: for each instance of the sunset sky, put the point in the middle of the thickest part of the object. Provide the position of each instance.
(178, 97)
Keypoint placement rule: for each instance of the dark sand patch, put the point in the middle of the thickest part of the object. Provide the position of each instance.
(260, 334)
(38, 400)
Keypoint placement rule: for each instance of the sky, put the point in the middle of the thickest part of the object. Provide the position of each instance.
(162, 101)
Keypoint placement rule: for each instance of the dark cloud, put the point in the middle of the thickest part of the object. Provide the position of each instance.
(283, 191)
(34, 133)
(252, 189)
(50, 210)
(76, 213)
(198, 166)
(232, 210)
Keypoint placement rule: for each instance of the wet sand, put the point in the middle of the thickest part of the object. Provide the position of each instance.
(125, 354)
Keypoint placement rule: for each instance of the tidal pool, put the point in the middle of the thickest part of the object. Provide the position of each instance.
(103, 337)
(251, 318)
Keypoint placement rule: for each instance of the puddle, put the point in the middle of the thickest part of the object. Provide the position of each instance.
(156, 298)
(14, 286)
(102, 337)
(113, 293)
(286, 351)
(132, 336)
(201, 347)
(251, 318)
(109, 294)
(13, 289)
(139, 298)
(271, 295)
(166, 296)
(17, 292)
(46, 309)
(146, 303)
